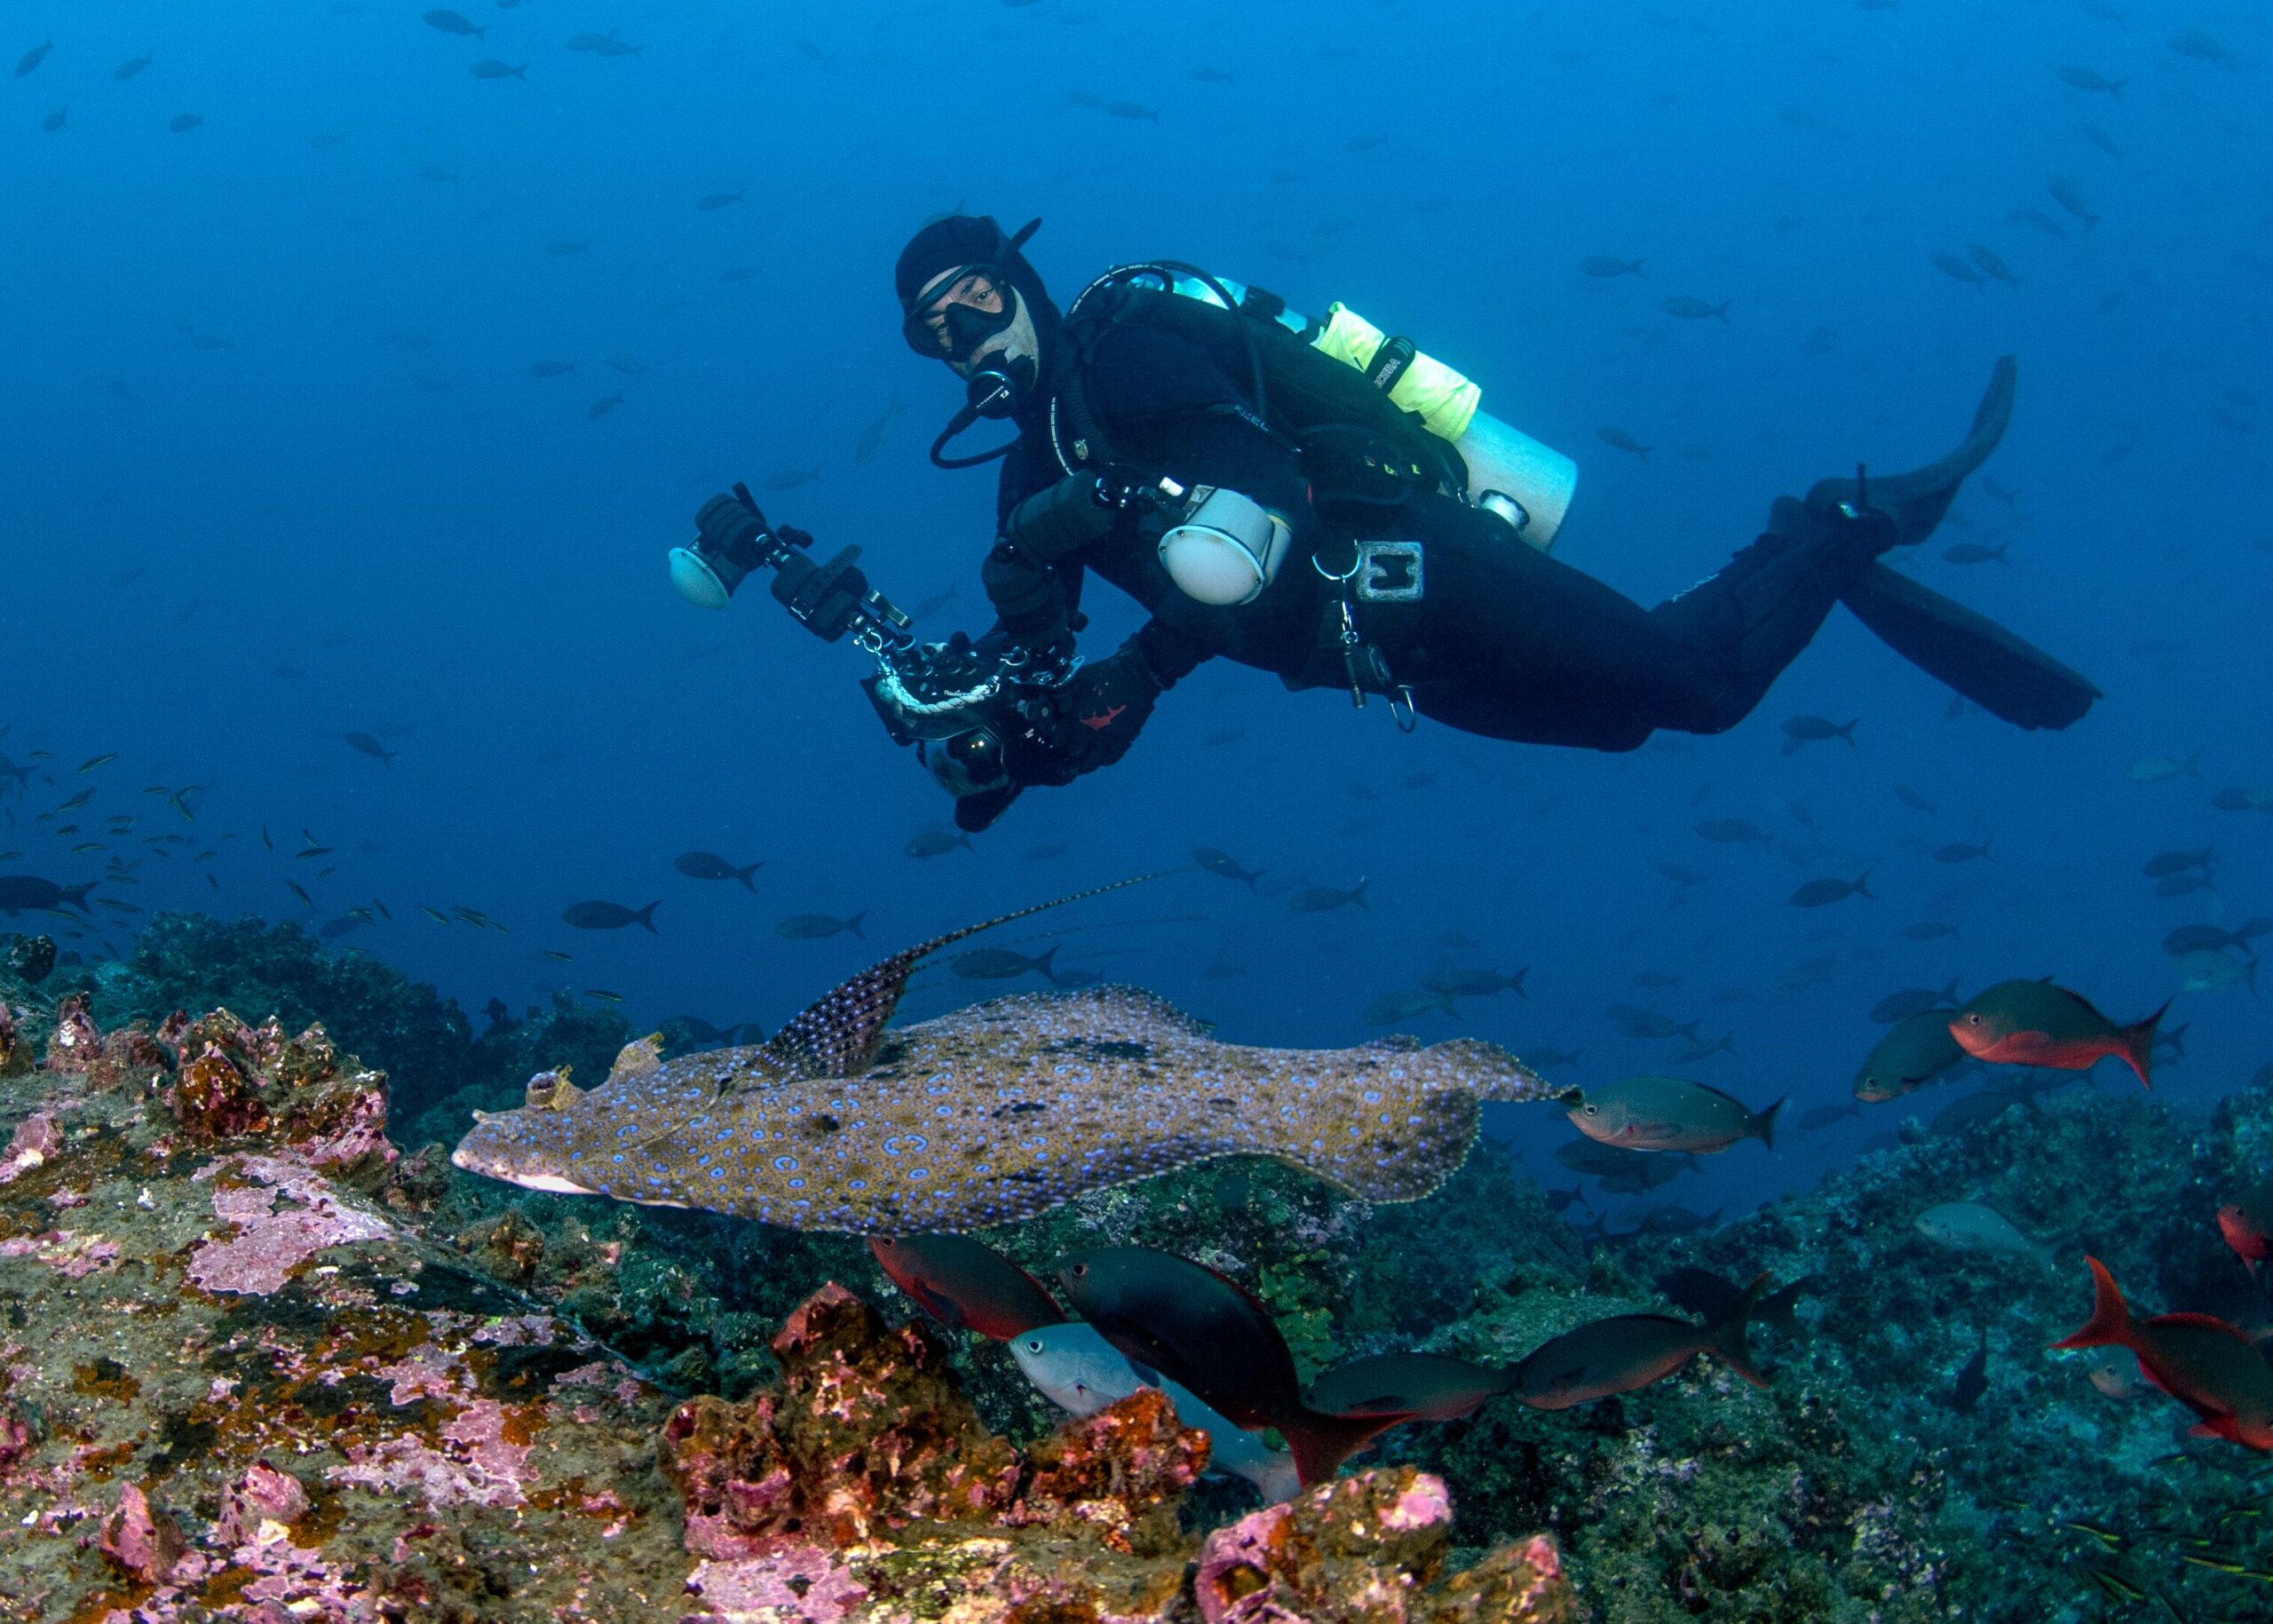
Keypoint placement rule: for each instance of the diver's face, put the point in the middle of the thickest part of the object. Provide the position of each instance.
(966, 316)
(952, 308)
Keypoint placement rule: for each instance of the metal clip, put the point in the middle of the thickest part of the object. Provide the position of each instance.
(1388, 573)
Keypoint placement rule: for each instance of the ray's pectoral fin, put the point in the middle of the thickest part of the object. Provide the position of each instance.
(1404, 1158)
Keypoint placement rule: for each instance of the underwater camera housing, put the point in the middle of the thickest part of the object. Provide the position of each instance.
(829, 597)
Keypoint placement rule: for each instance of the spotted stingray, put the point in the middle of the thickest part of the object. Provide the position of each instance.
(989, 1115)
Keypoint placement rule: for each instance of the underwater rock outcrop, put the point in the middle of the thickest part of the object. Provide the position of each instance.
(241, 1378)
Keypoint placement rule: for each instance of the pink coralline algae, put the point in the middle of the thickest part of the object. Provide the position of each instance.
(270, 1244)
(146, 1544)
(867, 1432)
(231, 1081)
(37, 1138)
(264, 1495)
(798, 1583)
(483, 1466)
(1368, 1549)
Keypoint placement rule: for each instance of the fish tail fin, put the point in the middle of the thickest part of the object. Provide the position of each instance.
(854, 924)
(1644, 451)
(1635, 268)
(2115, 88)
(1046, 966)
(743, 873)
(963, 839)
(1721, 309)
(1320, 1443)
(1765, 1124)
(2193, 764)
(1688, 1029)
(77, 896)
(1252, 876)
(1848, 733)
(646, 917)
(1862, 887)
(1725, 1340)
(2138, 1039)
(1358, 895)
(2110, 1323)
(1515, 983)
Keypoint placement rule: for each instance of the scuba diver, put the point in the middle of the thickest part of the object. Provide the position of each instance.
(1322, 501)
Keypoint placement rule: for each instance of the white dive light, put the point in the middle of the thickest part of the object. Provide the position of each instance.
(1226, 549)
(696, 581)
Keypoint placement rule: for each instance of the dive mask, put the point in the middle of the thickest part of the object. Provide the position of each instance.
(969, 306)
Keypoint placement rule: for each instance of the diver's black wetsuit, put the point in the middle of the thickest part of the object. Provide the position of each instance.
(1505, 642)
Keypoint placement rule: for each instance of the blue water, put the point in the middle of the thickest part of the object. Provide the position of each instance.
(266, 404)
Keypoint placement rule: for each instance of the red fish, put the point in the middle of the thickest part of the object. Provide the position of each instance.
(2246, 1222)
(967, 1286)
(2208, 1366)
(2034, 1023)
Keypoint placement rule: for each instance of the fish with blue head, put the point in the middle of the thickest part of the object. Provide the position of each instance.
(991, 1114)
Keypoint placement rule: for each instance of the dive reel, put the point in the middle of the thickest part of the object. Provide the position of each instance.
(965, 706)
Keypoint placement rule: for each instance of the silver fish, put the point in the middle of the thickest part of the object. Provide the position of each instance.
(1080, 1372)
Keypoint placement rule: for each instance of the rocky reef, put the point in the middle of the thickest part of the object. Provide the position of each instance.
(245, 1374)
(259, 1361)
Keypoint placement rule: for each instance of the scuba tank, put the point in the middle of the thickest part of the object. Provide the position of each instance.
(1509, 473)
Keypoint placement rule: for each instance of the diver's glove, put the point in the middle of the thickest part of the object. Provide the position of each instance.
(1102, 707)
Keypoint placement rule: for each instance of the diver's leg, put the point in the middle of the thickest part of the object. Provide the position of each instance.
(1511, 643)
(1518, 646)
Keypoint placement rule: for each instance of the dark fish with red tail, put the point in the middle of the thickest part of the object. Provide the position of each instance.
(2208, 1366)
(1669, 1113)
(1628, 1351)
(1195, 1326)
(2246, 1222)
(2034, 1023)
(1414, 1386)
(967, 1286)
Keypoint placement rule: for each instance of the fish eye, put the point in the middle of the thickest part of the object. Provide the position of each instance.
(1033, 1344)
(1080, 1271)
(1591, 1110)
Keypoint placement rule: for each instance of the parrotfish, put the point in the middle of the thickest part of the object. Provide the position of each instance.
(2206, 1364)
(2034, 1023)
(992, 1114)
(1080, 1372)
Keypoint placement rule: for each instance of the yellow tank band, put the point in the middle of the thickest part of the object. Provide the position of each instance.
(1444, 400)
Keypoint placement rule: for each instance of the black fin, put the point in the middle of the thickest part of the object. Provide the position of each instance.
(1917, 499)
(839, 1034)
(2003, 674)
